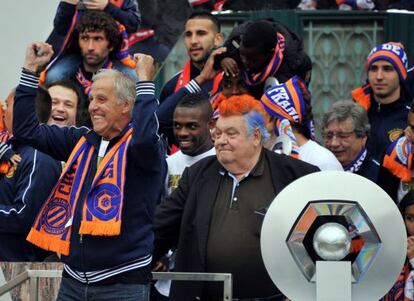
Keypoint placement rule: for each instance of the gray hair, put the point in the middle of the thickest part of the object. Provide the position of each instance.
(255, 120)
(124, 85)
(343, 110)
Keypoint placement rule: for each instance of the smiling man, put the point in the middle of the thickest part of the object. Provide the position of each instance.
(215, 215)
(345, 129)
(99, 215)
(67, 105)
(201, 36)
(191, 124)
(385, 96)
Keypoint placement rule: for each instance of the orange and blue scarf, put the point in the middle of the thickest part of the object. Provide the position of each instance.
(398, 158)
(396, 293)
(185, 77)
(356, 164)
(102, 208)
(270, 70)
(5, 137)
(84, 81)
(285, 102)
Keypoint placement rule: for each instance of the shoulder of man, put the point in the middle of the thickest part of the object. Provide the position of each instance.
(169, 86)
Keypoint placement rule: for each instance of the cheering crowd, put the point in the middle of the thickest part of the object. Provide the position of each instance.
(97, 173)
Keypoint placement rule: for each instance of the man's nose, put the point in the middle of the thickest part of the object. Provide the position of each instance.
(380, 74)
(91, 45)
(59, 107)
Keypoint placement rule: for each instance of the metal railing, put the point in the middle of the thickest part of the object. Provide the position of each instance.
(34, 275)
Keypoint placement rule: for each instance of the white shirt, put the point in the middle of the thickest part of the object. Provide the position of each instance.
(315, 154)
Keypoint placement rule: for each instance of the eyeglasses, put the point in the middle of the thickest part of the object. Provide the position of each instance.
(338, 135)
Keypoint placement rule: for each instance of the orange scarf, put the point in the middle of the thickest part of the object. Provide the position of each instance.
(102, 209)
(185, 78)
(5, 136)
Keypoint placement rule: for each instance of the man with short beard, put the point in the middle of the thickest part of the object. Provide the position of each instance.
(385, 96)
(98, 39)
(201, 36)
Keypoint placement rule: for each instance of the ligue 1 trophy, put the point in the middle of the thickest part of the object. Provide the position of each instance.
(333, 236)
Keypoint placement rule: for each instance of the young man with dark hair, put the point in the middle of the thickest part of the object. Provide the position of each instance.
(385, 96)
(99, 41)
(201, 36)
(263, 49)
(191, 126)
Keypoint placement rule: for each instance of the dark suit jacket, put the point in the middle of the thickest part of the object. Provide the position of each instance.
(183, 219)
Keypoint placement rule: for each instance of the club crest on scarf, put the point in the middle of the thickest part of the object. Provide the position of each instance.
(398, 158)
(56, 216)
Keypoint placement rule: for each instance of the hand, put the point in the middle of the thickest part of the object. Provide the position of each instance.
(208, 72)
(145, 66)
(160, 267)
(15, 159)
(38, 54)
(230, 67)
(96, 4)
(409, 133)
(410, 247)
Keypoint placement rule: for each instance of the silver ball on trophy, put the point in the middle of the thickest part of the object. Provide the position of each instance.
(332, 242)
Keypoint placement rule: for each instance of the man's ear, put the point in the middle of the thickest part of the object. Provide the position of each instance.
(257, 137)
(218, 39)
(127, 107)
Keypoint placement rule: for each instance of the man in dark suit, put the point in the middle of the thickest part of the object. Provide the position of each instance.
(214, 217)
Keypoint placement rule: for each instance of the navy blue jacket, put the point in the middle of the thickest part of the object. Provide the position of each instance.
(387, 124)
(144, 178)
(22, 192)
(369, 169)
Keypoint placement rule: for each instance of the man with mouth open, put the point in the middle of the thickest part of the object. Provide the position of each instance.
(385, 96)
(67, 105)
(201, 36)
(99, 215)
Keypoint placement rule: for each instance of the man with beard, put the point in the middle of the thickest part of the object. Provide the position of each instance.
(385, 96)
(201, 36)
(98, 37)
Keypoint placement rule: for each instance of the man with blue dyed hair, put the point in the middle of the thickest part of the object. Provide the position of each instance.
(212, 214)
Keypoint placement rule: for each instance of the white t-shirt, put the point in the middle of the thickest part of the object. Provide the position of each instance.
(315, 154)
(177, 162)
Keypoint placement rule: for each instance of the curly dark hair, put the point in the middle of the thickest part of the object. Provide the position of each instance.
(96, 20)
